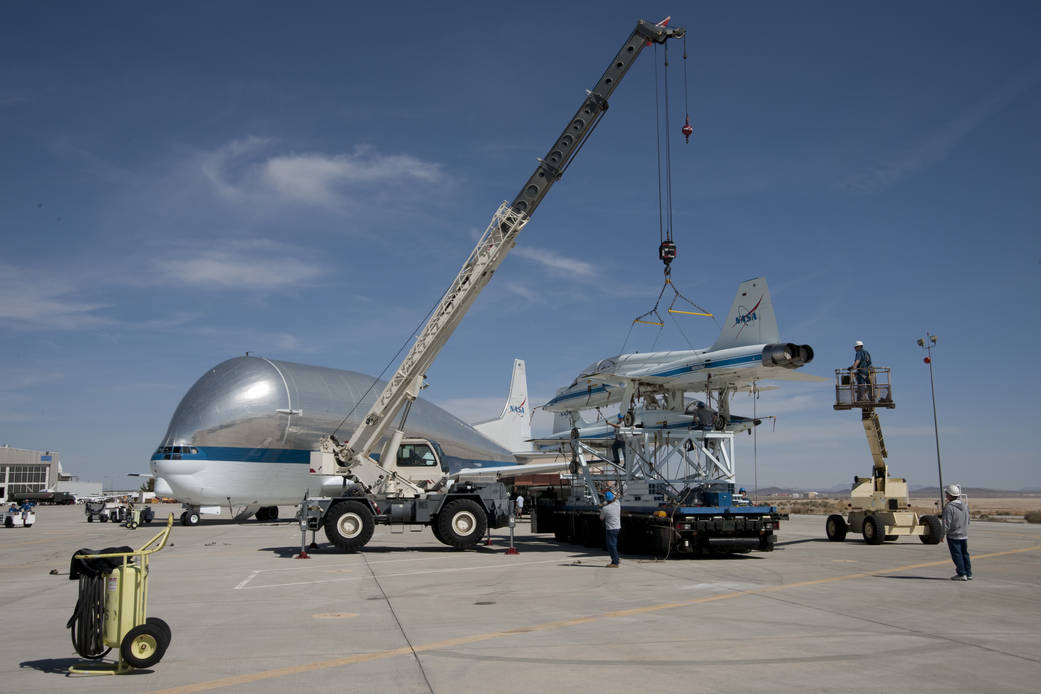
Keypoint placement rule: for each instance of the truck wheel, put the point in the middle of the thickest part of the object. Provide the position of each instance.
(349, 525)
(874, 531)
(560, 521)
(836, 528)
(90, 519)
(766, 542)
(933, 530)
(436, 529)
(462, 523)
(143, 646)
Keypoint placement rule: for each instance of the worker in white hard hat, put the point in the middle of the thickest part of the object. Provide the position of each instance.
(956, 525)
(862, 370)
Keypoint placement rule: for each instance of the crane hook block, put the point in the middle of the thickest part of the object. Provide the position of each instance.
(667, 252)
(688, 130)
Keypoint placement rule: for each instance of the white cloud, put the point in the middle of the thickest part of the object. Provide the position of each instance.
(239, 268)
(242, 172)
(36, 300)
(555, 262)
(938, 145)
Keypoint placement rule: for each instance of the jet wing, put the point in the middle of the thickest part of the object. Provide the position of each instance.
(508, 471)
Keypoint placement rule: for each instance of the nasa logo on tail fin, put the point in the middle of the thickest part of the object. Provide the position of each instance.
(751, 320)
(512, 428)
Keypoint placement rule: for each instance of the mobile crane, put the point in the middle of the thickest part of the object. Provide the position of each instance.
(376, 491)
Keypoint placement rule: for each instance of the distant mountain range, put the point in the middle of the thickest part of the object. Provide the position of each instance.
(978, 492)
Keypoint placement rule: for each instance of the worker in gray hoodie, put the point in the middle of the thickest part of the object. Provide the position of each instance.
(956, 526)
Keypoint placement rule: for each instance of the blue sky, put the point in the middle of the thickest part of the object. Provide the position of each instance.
(185, 182)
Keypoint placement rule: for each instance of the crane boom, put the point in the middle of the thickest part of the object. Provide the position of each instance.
(354, 458)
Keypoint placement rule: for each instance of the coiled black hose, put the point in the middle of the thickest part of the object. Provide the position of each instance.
(88, 618)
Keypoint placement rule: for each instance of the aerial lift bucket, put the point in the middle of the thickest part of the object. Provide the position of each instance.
(110, 611)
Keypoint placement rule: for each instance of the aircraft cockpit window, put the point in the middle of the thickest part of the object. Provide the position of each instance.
(416, 455)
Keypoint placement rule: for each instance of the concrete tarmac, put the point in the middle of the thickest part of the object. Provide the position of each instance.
(411, 615)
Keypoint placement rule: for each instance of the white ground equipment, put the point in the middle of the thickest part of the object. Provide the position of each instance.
(19, 517)
(879, 505)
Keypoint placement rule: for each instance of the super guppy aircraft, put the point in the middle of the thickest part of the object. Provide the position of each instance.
(243, 434)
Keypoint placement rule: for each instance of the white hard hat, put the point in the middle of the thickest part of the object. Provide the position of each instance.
(858, 343)
(953, 490)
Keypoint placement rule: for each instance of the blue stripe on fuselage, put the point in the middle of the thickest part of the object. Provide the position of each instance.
(292, 456)
(577, 394)
(733, 361)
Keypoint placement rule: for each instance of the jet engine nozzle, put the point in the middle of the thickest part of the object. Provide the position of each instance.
(787, 355)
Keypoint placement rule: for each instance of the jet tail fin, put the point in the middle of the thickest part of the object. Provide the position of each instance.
(751, 320)
(512, 428)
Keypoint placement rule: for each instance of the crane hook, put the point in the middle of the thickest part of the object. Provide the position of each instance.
(688, 130)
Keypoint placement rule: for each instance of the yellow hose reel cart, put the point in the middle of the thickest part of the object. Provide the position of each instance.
(110, 611)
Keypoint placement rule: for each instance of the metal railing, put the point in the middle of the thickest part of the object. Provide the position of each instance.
(855, 389)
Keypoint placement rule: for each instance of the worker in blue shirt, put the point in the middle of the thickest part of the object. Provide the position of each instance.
(862, 371)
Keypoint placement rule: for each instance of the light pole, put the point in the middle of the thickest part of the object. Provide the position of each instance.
(927, 344)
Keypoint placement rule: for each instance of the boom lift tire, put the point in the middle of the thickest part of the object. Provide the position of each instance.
(462, 523)
(874, 531)
(349, 525)
(144, 645)
(836, 528)
(933, 530)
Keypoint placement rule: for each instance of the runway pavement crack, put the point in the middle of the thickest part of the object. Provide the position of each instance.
(401, 628)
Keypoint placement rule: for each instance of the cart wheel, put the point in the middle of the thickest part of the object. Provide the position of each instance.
(143, 646)
(163, 627)
(836, 528)
(131, 525)
(90, 519)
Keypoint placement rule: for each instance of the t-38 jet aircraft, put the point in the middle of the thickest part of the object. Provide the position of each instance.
(748, 350)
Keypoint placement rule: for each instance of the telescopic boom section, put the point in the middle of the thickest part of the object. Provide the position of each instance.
(353, 458)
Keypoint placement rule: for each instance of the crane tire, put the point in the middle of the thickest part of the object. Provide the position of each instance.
(349, 525)
(462, 523)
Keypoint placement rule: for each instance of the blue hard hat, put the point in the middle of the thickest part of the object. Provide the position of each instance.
(609, 495)
(619, 415)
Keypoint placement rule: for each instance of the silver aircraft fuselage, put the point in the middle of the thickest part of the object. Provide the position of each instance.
(243, 434)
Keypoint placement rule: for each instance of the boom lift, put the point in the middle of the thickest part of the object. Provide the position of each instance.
(879, 505)
(381, 493)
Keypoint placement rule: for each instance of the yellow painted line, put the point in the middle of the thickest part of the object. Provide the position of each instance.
(335, 615)
(546, 626)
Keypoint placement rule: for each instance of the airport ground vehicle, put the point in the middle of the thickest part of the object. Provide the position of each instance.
(879, 505)
(19, 516)
(130, 514)
(111, 609)
(458, 513)
(677, 495)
